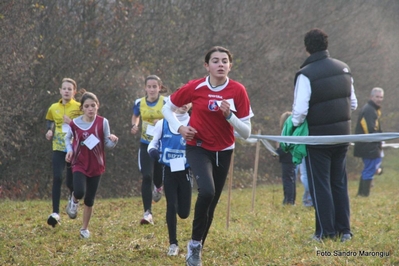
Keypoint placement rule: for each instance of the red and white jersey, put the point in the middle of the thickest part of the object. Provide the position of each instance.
(89, 162)
(214, 132)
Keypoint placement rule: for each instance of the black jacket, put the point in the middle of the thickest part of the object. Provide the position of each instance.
(284, 157)
(368, 122)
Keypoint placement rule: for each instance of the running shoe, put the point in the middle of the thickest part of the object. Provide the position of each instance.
(72, 208)
(157, 194)
(84, 233)
(173, 250)
(147, 218)
(54, 219)
(193, 257)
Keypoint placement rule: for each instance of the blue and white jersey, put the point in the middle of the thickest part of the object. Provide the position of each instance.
(171, 145)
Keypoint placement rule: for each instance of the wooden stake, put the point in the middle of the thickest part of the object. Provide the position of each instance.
(230, 185)
(255, 176)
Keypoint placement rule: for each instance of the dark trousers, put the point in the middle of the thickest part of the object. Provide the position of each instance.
(210, 170)
(152, 174)
(177, 188)
(289, 182)
(85, 187)
(58, 169)
(328, 186)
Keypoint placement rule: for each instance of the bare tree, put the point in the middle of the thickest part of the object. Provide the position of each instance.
(109, 46)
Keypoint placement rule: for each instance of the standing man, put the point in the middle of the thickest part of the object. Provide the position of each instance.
(370, 152)
(324, 96)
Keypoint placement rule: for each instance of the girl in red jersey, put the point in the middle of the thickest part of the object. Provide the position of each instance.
(220, 107)
(91, 134)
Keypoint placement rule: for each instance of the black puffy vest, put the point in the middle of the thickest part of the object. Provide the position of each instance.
(330, 104)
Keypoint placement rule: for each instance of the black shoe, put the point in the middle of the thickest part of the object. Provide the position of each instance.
(346, 237)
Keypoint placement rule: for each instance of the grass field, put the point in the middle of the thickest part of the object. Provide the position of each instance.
(272, 234)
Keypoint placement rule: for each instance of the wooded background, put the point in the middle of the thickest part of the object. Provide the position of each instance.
(110, 46)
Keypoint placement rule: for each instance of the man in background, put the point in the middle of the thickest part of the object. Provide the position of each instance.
(324, 96)
(370, 152)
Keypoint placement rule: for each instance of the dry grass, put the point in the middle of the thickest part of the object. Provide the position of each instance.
(271, 235)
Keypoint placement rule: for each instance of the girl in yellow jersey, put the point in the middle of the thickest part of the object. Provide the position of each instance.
(149, 108)
(58, 117)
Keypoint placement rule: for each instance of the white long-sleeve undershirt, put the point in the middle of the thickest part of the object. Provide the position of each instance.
(302, 95)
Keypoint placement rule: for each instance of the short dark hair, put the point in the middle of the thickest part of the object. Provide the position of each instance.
(316, 40)
(218, 49)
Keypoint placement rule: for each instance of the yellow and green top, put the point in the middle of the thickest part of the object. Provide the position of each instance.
(56, 114)
(149, 114)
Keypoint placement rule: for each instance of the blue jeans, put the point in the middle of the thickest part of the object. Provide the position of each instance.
(306, 198)
(370, 167)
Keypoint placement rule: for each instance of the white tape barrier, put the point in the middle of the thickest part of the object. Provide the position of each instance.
(267, 144)
(317, 140)
(328, 139)
(269, 147)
